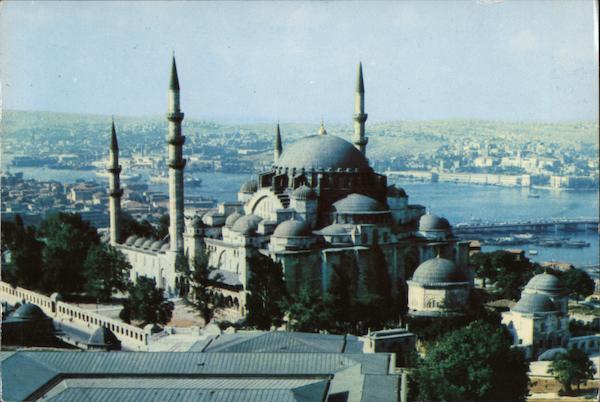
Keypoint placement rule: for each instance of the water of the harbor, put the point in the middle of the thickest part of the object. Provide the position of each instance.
(460, 203)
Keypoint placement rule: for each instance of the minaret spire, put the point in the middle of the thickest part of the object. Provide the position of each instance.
(115, 192)
(176, 163)
(322, 130)
(278, 147)
(360, 117)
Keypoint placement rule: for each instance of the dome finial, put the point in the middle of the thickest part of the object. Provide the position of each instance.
(322, 130)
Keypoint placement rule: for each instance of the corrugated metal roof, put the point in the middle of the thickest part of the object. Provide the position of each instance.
(276, 341)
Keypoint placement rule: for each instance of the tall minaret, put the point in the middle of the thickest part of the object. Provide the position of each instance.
(115, 191)
(359, 139)
(176, 164)
(278, 147)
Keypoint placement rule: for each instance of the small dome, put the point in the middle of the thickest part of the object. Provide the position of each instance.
(550, 354)
(534, 303)
(292, 228)
(103, 337)
(358, 203)
(231, 219)
(395, 192)
(139, 242)
(146, 245)
(546, 283)
(249, 187)
(156, 245)
(336, 229)
(55, 297)
(246, 224)
(130, 240)
(429, 222)
(304, 193)
(29, 312)
(438, 270)
(165, 247)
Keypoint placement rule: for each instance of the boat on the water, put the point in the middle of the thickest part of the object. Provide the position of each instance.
(533, 252)
(131, 177)
(188, 181)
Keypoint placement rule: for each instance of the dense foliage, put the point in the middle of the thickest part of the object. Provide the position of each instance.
(572, 368)
(106, 271)
(195, 285)
(475, 363)
(146, 303)
(506, 271)
(25, 265)
(266, 293)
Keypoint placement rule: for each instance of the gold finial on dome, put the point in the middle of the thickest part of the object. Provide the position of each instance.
(322, 130)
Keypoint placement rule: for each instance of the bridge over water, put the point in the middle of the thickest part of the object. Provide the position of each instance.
(531, 226)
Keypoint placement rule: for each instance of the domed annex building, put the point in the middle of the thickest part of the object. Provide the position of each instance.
(319, 204)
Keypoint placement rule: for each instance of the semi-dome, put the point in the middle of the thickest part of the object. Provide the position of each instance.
(231, 219)
(358, 203)
(156, 245)
(336, 229)
(139, 242)
(130, 240)
(103, 337)
(429, 222)
(304, 193)
(249, 187)
(165, 247)
(292, 228)
(29, 312)
(246, 224)
(534, 303)
(545, 283)
(147, 244)
(321, 153)
(395, 192)
(438, 270)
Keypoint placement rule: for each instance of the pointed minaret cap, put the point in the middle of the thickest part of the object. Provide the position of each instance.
(174, 83)
(278, 145)
(113, 137)
(322, 130)
(360, 86)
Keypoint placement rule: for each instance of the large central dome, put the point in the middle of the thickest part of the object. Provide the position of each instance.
(322, 152)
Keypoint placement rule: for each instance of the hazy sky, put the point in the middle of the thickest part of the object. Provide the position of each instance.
(263, 61)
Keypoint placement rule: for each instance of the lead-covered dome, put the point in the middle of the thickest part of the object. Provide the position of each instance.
(130, 240)
(321, 153)
(231, 219)
(534, 303)
(358, 203)
(292, 228)
(28, 312)
(438, 270)
(304, 193)
(545, 283)
(429, 222)
(246, 224)
(249, 187)
(103, 337)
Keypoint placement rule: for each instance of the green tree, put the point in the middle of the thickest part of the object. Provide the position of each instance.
(482, 263)
(572, 368)
(146, 303)
(306, 310)
(508, 272)
(375, 305)
(25, 266)
(340, 302)
(266, 292)
(131, 227)
(163, 227)
(200, 279)
(106, 271)
(475, 363)
(68, 239)
(578, 282)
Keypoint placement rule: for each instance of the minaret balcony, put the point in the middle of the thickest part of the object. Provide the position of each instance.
(114, 169)
(177, 141)
(176, 117)
(360, 117)
(116, 193)
(178, 165)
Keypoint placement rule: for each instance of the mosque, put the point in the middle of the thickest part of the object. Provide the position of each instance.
(320, 204)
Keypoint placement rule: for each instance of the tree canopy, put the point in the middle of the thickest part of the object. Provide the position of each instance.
(146, 303)
(578, 282)
(572, 368)
(475, 363)
(195, 285)
(25, 265)
(106, 271)
(506, 271)
(306, 311)
(67, 239)
(266, 293)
